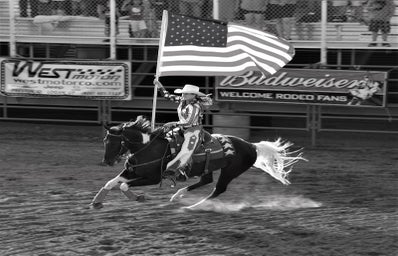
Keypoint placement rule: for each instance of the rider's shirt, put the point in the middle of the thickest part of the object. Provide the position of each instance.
(190, 113)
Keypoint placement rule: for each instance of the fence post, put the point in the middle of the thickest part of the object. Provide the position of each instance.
(105, 105)
(104, 114)
(13, 52)
(216, 9)
(324, 18)
(112, 47)
(313, 124)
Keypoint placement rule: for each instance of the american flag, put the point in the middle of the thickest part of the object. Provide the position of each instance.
(197, 47)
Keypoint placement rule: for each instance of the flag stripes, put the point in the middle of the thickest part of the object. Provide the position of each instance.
(245, 49)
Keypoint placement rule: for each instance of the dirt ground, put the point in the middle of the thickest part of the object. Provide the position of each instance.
(344, 201)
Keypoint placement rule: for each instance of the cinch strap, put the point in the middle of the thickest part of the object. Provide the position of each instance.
(206, 171)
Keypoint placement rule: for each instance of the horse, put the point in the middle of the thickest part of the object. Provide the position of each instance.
(150, 151)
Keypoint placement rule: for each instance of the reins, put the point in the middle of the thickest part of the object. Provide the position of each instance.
(132, 155)
(143, 148)
(150, 162)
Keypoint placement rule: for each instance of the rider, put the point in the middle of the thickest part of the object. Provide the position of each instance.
(190, 110)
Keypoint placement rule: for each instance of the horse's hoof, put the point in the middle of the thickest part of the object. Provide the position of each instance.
(187, 208)
(96, 205)
(176, 197)
(141, 198)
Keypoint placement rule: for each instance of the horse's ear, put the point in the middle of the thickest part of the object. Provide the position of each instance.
(113, 129)
(140, 118)
(146, 124)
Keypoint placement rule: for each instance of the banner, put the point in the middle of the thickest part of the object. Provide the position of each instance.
(78, 79)
(306, 86)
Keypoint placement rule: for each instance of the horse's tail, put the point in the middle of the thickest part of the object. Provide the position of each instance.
(275, 157)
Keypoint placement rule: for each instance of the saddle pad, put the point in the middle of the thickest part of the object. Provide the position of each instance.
(219, 146)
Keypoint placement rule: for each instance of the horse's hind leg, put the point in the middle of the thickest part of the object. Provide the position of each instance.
(220, 188)
(201, 201)
(204, 180)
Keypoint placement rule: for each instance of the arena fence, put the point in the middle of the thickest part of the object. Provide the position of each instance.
(75, 29)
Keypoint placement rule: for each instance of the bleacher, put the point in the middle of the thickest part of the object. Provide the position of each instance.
(345, 35)
(90, 30)
(74, 31)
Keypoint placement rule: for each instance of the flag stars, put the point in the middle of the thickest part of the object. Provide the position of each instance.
(195, 32)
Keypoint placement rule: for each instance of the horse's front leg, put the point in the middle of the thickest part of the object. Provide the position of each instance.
(124, 187)
(204, 180)
(100, 196)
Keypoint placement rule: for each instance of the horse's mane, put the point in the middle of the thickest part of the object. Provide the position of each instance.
(144, 125)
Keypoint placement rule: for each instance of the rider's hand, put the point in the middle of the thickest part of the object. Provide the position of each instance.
(158, 84)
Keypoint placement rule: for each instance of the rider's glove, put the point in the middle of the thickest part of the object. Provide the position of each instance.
(158, 84)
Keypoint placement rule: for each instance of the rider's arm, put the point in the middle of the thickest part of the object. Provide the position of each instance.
(165, 94)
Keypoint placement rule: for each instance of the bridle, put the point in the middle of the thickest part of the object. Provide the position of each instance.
(122, 149)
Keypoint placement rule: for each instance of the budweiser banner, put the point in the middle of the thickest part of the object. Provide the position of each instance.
(79, 79)
(306, 86)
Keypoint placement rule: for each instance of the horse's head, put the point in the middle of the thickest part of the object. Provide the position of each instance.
(124, 137)
(113, 144)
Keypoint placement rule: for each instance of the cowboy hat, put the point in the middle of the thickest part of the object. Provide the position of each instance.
(189, 88)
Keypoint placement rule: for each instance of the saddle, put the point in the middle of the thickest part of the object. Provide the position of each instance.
(211, 146)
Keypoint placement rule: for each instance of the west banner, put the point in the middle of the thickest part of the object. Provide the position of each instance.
(78, 79)
(306, 86)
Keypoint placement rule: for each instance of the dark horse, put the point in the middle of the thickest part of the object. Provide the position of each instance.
(151, 151)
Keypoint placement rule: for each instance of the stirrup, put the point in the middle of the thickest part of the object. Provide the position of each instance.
(173, 174)
(183, 173)
(170, 173)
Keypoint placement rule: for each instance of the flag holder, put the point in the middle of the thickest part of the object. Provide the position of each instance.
(162, 39)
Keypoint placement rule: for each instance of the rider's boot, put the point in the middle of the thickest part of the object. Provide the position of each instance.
(178, 164)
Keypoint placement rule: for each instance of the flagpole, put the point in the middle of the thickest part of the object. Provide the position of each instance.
(216, 9)
(158, 64)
